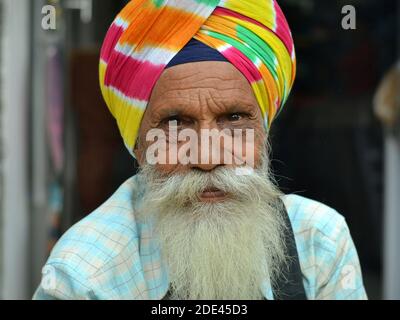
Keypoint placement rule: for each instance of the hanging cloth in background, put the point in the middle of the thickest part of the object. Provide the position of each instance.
(55, 129)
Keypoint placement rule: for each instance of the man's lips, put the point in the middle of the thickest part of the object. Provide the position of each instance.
(212, 194)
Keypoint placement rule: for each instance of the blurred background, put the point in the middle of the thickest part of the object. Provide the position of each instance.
(337, 141)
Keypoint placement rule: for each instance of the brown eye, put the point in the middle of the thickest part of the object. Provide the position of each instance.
(177, 121)
(233, 117)
(173, 121)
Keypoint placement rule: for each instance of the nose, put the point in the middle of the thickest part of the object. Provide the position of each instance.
(204, 167)
(208, 158)
(210, 155)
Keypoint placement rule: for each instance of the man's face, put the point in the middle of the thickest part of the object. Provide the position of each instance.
(201, 96)
(220, 233)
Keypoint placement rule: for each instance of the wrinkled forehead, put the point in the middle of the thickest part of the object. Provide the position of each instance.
(195, 84)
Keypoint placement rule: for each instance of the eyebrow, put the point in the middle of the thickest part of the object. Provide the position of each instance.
(170, 112)
(239, 107)
(181, 110)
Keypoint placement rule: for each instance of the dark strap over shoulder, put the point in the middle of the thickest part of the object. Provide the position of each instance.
(289, 285)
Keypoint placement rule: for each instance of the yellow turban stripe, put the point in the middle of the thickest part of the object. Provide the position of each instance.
(146, 35)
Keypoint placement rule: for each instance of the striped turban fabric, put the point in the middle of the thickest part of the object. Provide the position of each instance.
(253, 35)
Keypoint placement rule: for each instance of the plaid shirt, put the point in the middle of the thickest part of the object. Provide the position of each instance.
(110, 255)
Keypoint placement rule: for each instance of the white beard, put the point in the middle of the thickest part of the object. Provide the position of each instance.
(222, 250)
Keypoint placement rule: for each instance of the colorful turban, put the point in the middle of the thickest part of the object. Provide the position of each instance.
(253, 35)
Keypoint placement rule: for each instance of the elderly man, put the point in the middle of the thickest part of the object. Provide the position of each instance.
(201, 220)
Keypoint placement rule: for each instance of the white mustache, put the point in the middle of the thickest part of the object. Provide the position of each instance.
(186, 188)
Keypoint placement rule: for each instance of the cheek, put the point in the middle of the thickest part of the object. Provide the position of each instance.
(260, 144)
(169, 160)
(250, 146)
(162, 153)
(247, 151)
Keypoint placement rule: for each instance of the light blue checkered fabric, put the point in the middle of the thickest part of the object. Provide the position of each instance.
(110, 255)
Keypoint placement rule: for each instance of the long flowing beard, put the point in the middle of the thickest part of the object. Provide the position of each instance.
(222, 250)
